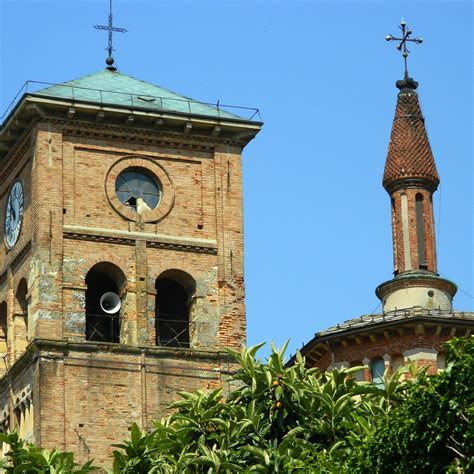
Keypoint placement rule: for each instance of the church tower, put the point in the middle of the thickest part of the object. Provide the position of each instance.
(411, 178)
(121, 264)
(417, 316)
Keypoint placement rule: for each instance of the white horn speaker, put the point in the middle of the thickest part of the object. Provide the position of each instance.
(110, 302)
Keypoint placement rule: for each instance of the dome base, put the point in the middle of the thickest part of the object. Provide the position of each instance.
(423, 289)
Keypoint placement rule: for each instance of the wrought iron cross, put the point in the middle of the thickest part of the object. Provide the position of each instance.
(402, 46)
(110, 28)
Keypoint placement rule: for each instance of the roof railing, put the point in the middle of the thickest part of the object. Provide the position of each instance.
(146, 101)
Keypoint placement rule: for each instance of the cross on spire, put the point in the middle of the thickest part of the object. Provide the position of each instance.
(110, 28)
(402, 46)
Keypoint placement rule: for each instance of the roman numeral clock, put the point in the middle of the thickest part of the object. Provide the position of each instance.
(14, 214)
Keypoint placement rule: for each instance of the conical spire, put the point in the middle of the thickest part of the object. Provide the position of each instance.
(409, 157)
(410, 177)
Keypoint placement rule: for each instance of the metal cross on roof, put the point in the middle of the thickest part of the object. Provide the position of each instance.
(402, 46)
(110, 28)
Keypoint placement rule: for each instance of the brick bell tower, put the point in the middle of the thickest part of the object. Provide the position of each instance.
(121, 264)
(411, 178)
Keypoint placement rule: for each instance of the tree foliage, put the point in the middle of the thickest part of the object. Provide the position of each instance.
(24, 457)
(289, 419)
(432, 430)
(293, 419)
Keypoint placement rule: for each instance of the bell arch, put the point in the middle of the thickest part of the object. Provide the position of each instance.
(105, 283)
(174, 292)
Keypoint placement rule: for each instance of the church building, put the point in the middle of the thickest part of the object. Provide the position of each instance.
(417, 315)
(121, 264)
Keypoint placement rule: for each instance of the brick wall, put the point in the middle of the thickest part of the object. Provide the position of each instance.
(84, 394)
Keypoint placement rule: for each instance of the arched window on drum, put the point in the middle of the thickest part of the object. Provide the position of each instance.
(377, 369)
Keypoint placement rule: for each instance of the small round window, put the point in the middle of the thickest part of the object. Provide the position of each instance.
(138, 189)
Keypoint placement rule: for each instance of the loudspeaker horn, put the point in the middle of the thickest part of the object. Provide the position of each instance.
(110, 302)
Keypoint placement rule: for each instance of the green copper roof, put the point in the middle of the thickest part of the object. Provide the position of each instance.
(114, 88)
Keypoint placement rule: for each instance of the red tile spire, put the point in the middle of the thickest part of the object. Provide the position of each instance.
(409, 158)
(410, 178)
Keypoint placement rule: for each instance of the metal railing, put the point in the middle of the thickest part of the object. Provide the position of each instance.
(169, 332)
(173, 332)
(125, 99)
(103, 327)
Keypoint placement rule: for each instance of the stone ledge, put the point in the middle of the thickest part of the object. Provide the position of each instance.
(129, 238)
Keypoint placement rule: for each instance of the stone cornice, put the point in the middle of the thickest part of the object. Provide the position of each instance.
(415, 279)
(104, 352)
(129, 238)
(191, 128)
(16, 153)
(401, 183)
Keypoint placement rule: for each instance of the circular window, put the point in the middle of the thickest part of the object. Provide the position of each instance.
(138, 190)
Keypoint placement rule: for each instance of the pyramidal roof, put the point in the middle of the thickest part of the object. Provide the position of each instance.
(409, 153)
(113, 88)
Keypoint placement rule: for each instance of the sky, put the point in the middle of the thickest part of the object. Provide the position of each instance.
(317, 220)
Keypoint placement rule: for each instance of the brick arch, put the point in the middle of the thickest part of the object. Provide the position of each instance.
(111, 269)
(23, 274)
(186, 280)
(180, 273)
(110, 260)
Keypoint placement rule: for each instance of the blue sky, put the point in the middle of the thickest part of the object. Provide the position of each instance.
(317, 220)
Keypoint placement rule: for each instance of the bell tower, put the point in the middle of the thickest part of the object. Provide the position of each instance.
(121, 264)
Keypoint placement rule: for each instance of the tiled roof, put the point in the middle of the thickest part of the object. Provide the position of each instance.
(398, 315)
(114, 88)
(409, 152)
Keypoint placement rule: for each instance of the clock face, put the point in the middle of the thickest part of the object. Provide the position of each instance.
(14, 214)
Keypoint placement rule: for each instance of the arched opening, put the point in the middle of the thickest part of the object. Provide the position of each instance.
(174, 290)
(377, 369)
(3, 337)
(20, 317)
(104, 284)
